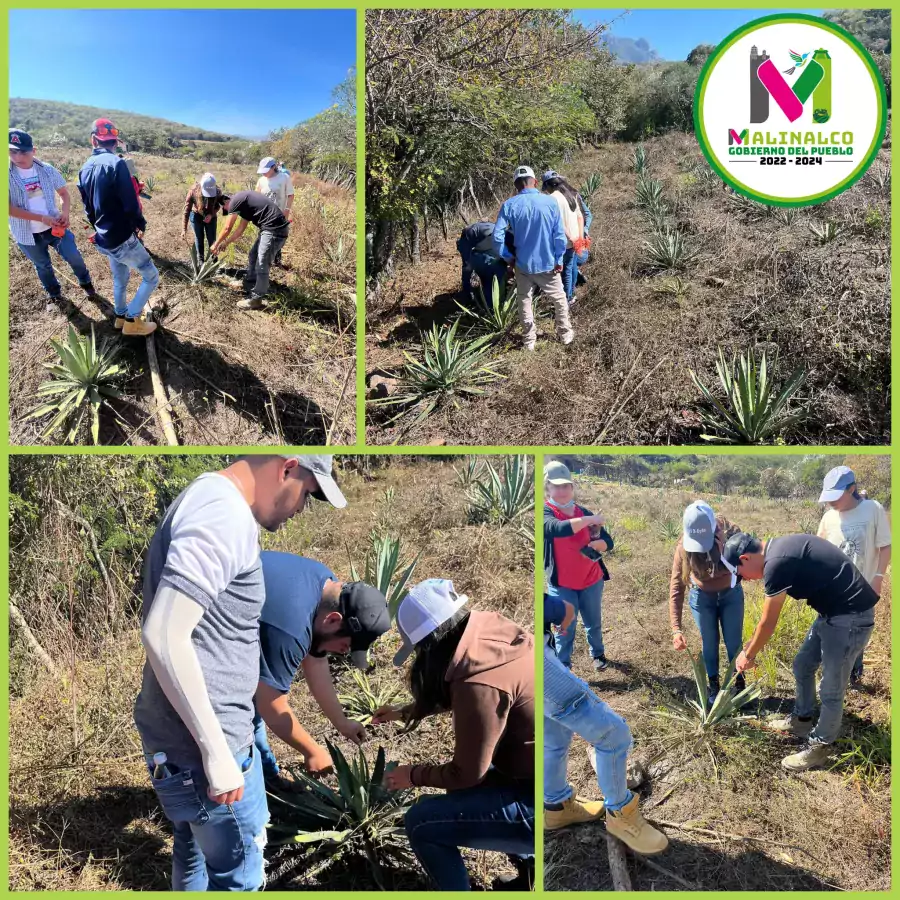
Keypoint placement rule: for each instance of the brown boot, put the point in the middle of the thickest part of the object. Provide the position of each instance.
(630, 827)
(138, 328)
(575, 811)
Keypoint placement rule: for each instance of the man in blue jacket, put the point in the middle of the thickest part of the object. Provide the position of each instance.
(112, 208)
(540, 241)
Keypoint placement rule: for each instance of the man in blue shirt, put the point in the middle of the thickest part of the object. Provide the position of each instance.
(112, 208)
(308, 614)
(540, 241)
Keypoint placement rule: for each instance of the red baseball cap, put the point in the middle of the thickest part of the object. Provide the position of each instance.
(105, 130)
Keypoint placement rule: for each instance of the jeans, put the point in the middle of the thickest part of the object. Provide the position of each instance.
(261, 742)
(262, 255)
(571, 707)
(834, 643)
(39, 254)
(122, 259)
(551, 287)
(569, 273)
(201, 229)
(481, 818)
(216, 848)
(714, 611)
(487, 268)
(588, 602)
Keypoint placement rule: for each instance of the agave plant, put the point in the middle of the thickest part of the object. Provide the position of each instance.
(667, 249)
(382, 569)
(669, 529)
(337, 253)
(881, 177)
(200, 272)
(497, 317)
(502, 498)
(365, 699)
(591, 186)
(639, 161)
(699, 713)
(149, 184)
(469, 471)
(705, 175)
(786, 215)
(449, 367)
(672, 287)
(65, 169)
(649, 192)
(361, 815)
(83, 381)
(827, 231)
(745, 204)
(752, 410)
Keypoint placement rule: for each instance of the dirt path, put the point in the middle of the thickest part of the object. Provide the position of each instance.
(756, 280)
(234, 377)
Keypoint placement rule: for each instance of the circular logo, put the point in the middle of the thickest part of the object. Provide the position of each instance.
(790, 110)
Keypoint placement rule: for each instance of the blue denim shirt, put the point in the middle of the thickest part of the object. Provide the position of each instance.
(537, 230)
(109, 199)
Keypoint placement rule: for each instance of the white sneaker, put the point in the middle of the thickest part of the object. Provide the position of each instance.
(567, 338)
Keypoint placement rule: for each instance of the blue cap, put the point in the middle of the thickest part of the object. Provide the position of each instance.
(699, 524)
(20, 140)
(548, 175)
(835, 483)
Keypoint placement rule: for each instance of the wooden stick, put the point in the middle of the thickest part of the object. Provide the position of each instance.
(191, 370)
(687, 885)
(624, 403)
(159, 390)
(735, 837)
(17, 617)
(618, 866)
(337, 409)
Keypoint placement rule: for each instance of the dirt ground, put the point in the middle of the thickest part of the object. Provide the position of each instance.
(282, 375)
(740, 823)
(755, 282)
(83, 815)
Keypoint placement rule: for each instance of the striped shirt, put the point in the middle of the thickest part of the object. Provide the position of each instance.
(51, 182)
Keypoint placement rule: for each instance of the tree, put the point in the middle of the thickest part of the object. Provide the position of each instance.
(776, 482)
(873, 475)
(723, 477)
(700, 54)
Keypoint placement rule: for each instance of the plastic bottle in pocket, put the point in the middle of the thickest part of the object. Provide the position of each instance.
(160, 769)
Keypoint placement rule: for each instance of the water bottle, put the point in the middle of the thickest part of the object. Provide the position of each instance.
(160, 769)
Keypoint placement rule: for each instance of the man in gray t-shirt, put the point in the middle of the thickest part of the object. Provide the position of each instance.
(203, 593)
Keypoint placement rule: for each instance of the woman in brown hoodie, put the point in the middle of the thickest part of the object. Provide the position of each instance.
(479, 666)
(716, 601)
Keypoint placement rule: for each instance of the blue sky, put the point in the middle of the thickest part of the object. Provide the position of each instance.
(673, 33)
(270, 68)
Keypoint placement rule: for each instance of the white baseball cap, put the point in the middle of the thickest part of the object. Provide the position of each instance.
(699, 524)
(523, 172)
(424, 609)
(265, 165)
(321, 467)
(208, 185)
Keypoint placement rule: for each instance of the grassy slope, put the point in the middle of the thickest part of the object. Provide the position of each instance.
(755, 280)
(297, 354)
(83, 815)
(766, 830)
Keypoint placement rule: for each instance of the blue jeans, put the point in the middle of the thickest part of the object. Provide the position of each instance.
(201, 229)
(571, 707)
(122, 259)
(833, 643)
(481, 818)
(216, 848)
(39, 254)
(716, 611)
(588, 601)
(267, 246)
(569, 273)
(261, 742)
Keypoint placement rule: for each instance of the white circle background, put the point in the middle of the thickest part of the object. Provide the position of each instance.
(854, 107)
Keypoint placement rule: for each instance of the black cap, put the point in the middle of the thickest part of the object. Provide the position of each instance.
(735, 547)
(20, 140)
(366, 617)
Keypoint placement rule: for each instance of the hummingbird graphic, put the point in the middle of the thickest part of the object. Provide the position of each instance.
(799, 62)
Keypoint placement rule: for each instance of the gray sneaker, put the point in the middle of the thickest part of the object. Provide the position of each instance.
(809, 757)
(251, 303)
(792, 725)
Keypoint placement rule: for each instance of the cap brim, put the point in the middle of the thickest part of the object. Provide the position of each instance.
(403, 654)
(211, 194)
(560, 481)
(694, 546)
(360, 659)
(262, 171)
(830, 496)
(331, 490)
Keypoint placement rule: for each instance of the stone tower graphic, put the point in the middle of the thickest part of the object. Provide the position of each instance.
(759, 96)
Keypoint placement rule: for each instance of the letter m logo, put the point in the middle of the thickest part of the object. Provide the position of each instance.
(735, 138)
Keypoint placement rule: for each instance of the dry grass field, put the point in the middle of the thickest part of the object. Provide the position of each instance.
(759, 277)
(83, 814)
(282, 375)
(735, 819)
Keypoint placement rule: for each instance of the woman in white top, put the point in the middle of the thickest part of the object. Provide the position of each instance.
(573, 223)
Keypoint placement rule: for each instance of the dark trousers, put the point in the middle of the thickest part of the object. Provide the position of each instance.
(202, 228)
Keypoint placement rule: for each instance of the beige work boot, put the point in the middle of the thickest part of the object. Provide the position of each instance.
(138, 328)
(575, 811)
(118, 322)
(790, 724)
(808, 758)
(632, 829)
